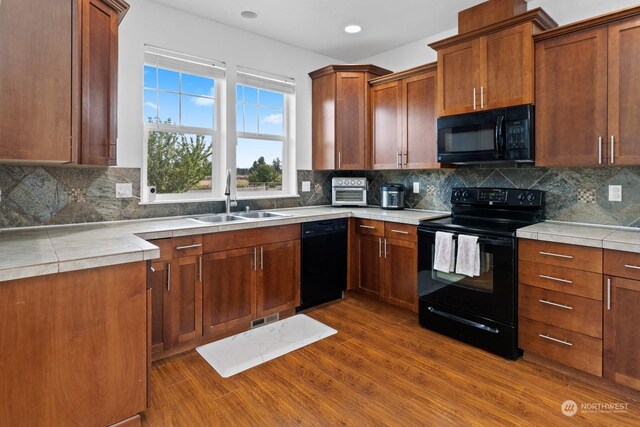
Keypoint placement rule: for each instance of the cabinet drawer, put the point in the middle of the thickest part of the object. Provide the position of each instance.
(369, 226)
(226, 240)
(561, 255)
(566, 347)
(562, 310)
(576, 282)
(394, 230)
(178, 247)
(622, 264)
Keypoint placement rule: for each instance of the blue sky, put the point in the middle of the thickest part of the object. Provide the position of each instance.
(257, 110)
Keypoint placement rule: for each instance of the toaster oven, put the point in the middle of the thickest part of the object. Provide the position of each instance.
(349, 191)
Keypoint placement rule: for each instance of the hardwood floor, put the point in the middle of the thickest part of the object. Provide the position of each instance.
(381, 368)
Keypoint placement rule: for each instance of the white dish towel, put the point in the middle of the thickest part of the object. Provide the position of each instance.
(444, 258)
(468, 258)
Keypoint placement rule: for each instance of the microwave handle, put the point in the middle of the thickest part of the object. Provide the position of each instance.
(500, 145)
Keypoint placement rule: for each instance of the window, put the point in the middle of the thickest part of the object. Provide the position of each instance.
(180, 122)
(263, 150)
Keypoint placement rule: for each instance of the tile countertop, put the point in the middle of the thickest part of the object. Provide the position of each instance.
(45, 250)
(607, 237)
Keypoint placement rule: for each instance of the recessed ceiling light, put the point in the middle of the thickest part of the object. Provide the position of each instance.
(249, 14)
(352, 29)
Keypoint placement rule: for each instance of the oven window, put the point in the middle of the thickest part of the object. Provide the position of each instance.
(469, 138)
(482, 283)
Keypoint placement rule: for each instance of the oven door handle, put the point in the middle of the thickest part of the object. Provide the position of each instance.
(465, 321)
(483, 240)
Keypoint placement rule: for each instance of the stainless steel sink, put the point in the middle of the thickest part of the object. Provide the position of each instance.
(261, 214)
(219, 218)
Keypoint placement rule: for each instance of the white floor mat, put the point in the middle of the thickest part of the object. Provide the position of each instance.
(238, 353)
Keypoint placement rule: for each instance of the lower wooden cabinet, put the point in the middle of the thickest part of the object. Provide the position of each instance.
(386, 262)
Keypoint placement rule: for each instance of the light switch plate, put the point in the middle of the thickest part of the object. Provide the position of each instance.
(306, 186)
(416, 187)
(615, 193)
(124, 190)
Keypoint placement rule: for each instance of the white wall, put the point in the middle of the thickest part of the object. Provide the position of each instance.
(563, 11)
(150, 23)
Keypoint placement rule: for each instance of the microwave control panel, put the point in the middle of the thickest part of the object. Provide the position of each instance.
(517, 135)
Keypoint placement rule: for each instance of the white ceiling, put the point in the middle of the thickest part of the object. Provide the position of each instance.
(318, 25)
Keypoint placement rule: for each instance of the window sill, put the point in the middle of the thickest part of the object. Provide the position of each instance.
(218, 199)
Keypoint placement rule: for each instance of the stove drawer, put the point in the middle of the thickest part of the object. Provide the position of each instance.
(561, 310)
(561, 255)
(569, 348)
(575, 282)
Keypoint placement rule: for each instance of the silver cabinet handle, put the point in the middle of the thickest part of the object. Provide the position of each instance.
(635, 267)
(255, 259)
(385, 248)
(474, 99)
(370, 227)
(612, 150)
(555, 304)
(195, 245)
(556, 255)
(543, 276)
(399, 159)
(261, 258)
(608, 293)
(406, 157)
(200, 268)
(153, 270)
(400, 231)
(563, 342)
(599, 150)
(339, 159)
(168, 277)
(379, 247)
(482, 97)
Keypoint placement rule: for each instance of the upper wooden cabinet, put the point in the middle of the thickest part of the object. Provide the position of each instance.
(404, 119)
(58, 80)
(586, 113)
(340, 116)
(491, 67)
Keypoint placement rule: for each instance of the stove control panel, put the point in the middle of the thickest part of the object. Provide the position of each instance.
(497, 196)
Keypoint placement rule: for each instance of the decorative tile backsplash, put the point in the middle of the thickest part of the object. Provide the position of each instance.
(67, 194)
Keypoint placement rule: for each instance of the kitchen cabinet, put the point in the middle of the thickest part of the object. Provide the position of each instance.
(490, 67)
(74, 347)
(175, 280)
(404, 119)
(560, 303)
(386, 262)
(341, 116)
(248, 275)
(75, 41)
(586, 111)
(621, 318)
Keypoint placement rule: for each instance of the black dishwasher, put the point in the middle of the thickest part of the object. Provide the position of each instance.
(324, 262)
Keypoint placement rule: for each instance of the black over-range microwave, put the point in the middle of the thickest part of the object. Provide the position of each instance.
(496, 135)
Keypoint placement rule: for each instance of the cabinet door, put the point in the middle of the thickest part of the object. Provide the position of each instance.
(185, 295)
(571, 99)
(401, 273)
(368, 253)
(99, 83)
(507, 68)
(35, 71)
(350, 122)
(419, 113)
(458, 78)
(624, 92)
(160, 309)
(386, 141)
(228, 286)
(621, 332)
(323, 122)
(278, 284)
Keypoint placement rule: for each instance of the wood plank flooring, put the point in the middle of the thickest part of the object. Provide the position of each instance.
(380, 369)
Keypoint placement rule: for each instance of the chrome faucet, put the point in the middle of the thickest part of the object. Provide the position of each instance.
(227, 193)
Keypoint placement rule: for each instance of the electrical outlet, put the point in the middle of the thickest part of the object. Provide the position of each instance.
(615, 193)
(416, 187)
(306, 186)
(124, 190)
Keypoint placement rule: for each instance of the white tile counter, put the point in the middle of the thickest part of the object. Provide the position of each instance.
(39, 251)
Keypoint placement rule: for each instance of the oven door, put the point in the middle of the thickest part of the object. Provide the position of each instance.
(491, 295)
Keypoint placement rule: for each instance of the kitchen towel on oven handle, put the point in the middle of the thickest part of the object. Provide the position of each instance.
(445, 252)
(468, 256)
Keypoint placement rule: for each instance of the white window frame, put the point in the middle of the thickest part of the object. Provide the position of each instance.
(215, 70)
(285, 86)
